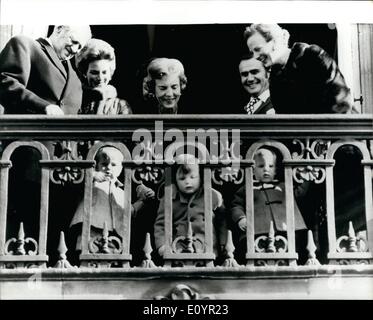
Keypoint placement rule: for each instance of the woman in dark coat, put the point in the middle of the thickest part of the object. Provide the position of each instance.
(304, 78)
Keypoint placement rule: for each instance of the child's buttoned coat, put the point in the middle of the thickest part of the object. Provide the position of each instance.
(192, 210)
(269, 205)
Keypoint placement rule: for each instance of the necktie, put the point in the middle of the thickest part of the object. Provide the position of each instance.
(249, 108)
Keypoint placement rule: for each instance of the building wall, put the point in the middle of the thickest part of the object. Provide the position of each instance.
(365, 35)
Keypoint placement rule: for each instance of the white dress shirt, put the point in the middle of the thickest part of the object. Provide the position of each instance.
(263, 98)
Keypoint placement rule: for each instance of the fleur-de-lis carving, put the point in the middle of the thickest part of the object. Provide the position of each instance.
(105, 243)
(148, 174)
(271, 243)
(309, 173)
(310, 151)
(67, 174)
(188, 243)
(228, 174)
(315, 150)
(350, 242)
(345, 262)
(18, 244)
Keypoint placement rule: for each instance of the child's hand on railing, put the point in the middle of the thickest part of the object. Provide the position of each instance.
(144, 193)
(242, 224)
(53, 110)
(100, 176)
(161, 250)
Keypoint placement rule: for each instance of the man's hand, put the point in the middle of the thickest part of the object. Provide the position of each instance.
(242, 224)
(53, 110)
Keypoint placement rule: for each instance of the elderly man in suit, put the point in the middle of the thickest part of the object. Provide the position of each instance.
(36, 76)
(254, 79)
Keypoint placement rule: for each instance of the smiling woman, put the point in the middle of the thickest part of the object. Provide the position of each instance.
(96, 64)
(165, 82)
(99, 73)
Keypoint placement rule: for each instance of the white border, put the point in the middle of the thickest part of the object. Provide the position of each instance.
(42, 12)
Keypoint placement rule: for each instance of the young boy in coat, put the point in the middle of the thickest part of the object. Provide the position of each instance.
(188, 206)
(108, 197)
(269, 203)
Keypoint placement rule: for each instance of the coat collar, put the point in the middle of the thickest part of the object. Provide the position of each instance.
(264, 96)
(162, 110)
(49, 50)
(296, 53)
(264, 186)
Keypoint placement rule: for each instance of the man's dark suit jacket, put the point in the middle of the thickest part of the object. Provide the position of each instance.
(264, 107)
(32, 77)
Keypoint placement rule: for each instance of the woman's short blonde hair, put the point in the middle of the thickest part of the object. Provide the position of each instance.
(94, 50)
(269, 32)
(159, 68)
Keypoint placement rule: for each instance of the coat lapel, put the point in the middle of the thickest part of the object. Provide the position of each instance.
(68, 78)
(48, 49)
(263, 106)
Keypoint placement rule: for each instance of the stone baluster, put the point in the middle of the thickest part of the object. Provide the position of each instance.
(20, 244)
(189, 239)
(271, 239)
(147, 262)
(351, 238)
(229, 247)
(62, 262)
(105, 239)
(311, 248)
